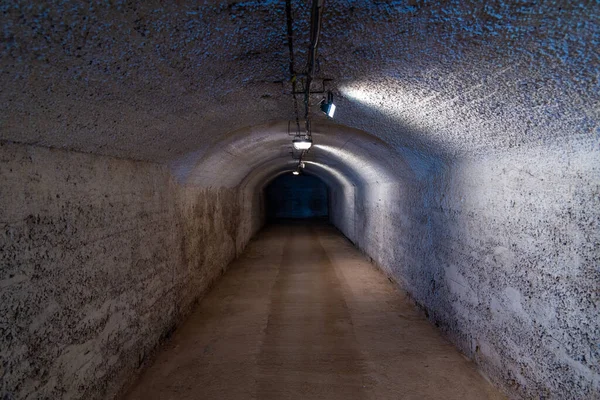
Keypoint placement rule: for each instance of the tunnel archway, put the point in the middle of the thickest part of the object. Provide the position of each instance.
(362, 171)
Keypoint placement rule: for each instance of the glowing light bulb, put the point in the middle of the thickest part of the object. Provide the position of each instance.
(302, 144)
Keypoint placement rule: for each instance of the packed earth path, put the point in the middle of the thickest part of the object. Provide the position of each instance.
(302, 314)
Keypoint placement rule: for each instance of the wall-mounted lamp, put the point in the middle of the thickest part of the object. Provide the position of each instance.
(327, 105)
(302, 143)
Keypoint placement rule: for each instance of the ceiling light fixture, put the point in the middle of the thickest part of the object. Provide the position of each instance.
(302, 143)
(327, 105)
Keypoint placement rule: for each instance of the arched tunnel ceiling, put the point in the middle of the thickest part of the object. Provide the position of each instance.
(261, 179)
(265, 150)
(157, 80)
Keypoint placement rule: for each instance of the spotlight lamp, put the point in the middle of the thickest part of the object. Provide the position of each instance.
(302, 143)
(327, 105)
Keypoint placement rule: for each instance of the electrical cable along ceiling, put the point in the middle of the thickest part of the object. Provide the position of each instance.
(326, 159)
(302, 141)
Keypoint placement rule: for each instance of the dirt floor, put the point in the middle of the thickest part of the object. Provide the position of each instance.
(303, 315)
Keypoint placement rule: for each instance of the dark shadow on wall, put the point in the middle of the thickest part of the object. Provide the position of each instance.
(296, 197)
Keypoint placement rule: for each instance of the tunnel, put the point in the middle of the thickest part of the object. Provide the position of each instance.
(296, 197)
(317, 199)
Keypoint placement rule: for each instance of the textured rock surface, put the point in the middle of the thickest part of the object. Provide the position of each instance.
(517, 273)
(155, 80)
(101, 259)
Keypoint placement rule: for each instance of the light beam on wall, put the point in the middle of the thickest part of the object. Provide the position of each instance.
(337, 175)
(359, 165)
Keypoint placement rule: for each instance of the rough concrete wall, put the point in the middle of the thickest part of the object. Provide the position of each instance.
(516, 239)
(341, 209)
(252, 215)
(391, 226)
(207, 222)
(502, 252)
(100, 259)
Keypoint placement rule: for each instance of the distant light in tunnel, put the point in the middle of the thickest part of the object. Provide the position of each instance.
(296, 173)
(302, 144)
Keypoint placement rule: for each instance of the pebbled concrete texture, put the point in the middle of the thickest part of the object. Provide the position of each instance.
(518, 247)
(101, 259)
(156, 81)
